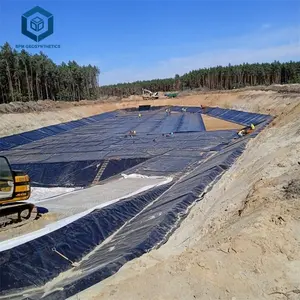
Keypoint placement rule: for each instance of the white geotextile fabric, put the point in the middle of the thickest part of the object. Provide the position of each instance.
(131, 185)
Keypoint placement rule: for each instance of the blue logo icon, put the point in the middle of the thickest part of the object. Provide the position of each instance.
(37, 24)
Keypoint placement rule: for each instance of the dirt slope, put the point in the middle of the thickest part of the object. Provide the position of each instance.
(243, 240)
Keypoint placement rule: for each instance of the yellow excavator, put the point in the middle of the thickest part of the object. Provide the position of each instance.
(147, 95)
(14, 189)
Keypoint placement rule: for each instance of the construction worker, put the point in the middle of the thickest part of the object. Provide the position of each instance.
(242, 132)
(246, 130)
(140, 115)
(132, 133)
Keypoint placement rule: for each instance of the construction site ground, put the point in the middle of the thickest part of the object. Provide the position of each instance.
(242, 241)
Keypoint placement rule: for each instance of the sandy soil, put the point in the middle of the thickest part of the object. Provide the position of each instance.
(46, 219)
(242, 241)
(218, 124)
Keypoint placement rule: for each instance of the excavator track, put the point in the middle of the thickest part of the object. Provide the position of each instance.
(17, 214)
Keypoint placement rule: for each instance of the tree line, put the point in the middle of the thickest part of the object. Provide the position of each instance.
(135, 88)
(215, 78)
(26, 77)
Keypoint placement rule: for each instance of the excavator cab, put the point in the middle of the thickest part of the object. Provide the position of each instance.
(14, 185)
(14, 189)
(6, 180)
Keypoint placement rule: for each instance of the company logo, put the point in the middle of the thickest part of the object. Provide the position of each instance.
(37, 24)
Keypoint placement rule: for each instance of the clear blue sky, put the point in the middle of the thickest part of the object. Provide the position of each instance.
(132, 40)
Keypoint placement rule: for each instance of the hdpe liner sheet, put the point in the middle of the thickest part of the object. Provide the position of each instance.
(37, 263)
(103, 139)
(73, 159)
(240, 117)
(153, 121)
(115, 167)
(61, 174)
(147, 219)
(114, 122)
(73, 174)
(147, 226)
(182, 122)
(189, 109)
(12, 141)
(104, 136)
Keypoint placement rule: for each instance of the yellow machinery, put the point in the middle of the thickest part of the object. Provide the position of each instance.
(147, 95)
(14, 188)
